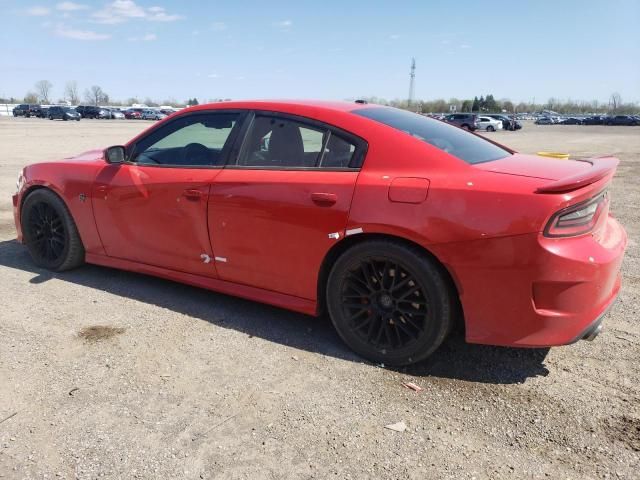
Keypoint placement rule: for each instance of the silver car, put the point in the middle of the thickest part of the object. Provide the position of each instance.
(153, 115)
(117, 114)
(489, 124)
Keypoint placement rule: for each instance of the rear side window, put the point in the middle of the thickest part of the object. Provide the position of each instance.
(280, 143)
(455, 141)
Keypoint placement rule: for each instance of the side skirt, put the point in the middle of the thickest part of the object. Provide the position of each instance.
(281, 300)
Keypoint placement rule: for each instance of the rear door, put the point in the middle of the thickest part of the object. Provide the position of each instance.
(282, 202)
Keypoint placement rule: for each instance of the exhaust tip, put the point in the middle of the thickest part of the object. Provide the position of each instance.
(590, 337)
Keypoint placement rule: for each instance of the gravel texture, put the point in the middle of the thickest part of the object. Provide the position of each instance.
(108, 374)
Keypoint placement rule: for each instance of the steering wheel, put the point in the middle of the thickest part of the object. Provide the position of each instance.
(195, 154)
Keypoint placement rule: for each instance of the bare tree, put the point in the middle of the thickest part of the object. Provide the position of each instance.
(71, 92)
(95, 95)
(43, 90)
(31, 97)
(615, 101)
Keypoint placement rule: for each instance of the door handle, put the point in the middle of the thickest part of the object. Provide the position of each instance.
(192, 194)
(323, 198)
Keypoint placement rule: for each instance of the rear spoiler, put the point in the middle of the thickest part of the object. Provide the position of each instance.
(602, 167)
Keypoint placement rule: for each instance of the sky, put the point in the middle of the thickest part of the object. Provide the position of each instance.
(334, 49)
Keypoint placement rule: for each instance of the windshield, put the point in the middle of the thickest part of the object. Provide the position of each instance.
(453, 140)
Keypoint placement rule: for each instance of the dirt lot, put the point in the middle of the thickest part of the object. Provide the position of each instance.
(186, 383)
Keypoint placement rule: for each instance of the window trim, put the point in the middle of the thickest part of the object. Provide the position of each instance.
(359, 154)
(231, 140)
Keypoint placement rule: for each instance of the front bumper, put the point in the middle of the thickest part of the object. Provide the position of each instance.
(533, 291)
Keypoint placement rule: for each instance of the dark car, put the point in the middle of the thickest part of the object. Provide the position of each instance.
(27, 110)
(571, 121)
(507, 122)
(623, 120)
(594, 120)
(88, 111)
(63, 113)
(468, 121)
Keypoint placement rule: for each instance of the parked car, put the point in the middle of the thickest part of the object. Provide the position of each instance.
(104, 113)
(21, 110)
(594, 120)
(116, 114)
(489, 124)
(468, 121)
(623, 120)
(88, 111)
(508, 123)
(133, 113)
(571, 121)
(309, 223)
(27, 110)
(63, 113)
(153, 115)
(43, 112)
(544, 121)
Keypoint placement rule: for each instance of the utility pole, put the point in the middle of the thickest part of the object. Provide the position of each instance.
(412, 77)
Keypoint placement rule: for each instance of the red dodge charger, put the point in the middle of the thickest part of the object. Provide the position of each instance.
(396, 225)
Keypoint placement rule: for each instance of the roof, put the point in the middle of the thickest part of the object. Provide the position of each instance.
(341, 106)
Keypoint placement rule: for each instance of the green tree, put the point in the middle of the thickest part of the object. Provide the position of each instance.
(467, 106)
(475, 107)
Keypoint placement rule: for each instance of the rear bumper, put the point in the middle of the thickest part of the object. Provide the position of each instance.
(533, 291)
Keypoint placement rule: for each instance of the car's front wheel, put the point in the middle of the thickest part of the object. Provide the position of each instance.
(389, 302)
(50, 233)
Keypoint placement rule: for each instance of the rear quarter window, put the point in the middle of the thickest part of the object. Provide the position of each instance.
(453, 140)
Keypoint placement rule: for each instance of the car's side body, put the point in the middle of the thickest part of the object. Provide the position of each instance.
(488, 123)
(62, 113)
(272, 234)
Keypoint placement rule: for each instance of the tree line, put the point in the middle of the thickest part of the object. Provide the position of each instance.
(42, 93)
(95, 95)
(489, 104)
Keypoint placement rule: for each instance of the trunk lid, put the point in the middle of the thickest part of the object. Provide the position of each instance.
(562, 175)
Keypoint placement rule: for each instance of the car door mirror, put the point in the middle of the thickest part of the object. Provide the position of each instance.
(115, 154)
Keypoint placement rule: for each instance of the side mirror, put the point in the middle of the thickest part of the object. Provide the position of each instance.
(115, 154)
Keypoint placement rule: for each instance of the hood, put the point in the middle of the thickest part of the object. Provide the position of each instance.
(89, 155)
(535, 166)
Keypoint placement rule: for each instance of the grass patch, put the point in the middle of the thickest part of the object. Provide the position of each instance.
(97, 333)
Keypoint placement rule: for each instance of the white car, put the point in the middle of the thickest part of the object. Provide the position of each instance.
(489, 124)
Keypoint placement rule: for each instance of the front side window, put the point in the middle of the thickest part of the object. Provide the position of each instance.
(455, 141)
(192, 140)
(275, 142)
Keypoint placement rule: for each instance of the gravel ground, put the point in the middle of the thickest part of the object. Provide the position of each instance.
(186, 383)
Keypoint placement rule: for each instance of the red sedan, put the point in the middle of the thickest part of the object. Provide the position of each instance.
(396, 225)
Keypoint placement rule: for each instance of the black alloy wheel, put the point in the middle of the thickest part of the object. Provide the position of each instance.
(50, 233)
(389, 302)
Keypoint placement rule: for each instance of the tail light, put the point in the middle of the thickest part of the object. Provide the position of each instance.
(577, 219)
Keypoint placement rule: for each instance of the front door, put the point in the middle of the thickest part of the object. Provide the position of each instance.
(153, 208)
(282, 203)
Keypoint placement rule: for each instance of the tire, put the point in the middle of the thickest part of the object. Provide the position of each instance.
(465, 127)
(50, 233)
(364, 294)
(490, 129)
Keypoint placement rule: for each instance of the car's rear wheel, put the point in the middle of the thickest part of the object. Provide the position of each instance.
(50, 233)
(465, 127)
(389, 302)
(490, 129)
